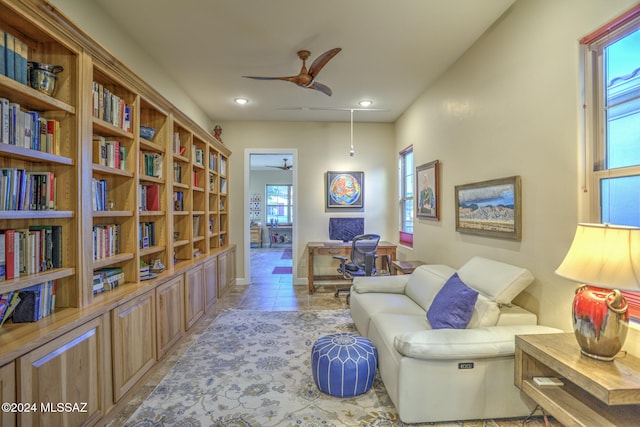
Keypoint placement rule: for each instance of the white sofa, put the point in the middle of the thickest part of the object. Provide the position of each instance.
(436, 375)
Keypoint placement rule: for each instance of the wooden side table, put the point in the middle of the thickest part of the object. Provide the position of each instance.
(594, 393)
(404, 267)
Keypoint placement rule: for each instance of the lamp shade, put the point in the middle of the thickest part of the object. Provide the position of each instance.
(604, 255)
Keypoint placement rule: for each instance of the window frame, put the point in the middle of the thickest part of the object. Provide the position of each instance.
(406, 195)
(596, 125)
(288, 207)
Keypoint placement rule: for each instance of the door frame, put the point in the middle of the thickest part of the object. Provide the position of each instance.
(294, 229)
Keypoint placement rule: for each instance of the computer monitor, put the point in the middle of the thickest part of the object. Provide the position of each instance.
(345, 229)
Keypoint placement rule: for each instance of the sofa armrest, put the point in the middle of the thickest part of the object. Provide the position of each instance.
(478, 343)
(380, 284)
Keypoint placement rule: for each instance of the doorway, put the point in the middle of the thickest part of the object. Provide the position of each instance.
(270, 214)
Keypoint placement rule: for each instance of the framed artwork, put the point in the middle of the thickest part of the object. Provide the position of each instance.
(428, 200)
(490, 208)
(345, 190)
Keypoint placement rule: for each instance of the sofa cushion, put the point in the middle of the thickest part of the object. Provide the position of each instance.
(446, 344)
(496, 280)
(380, 284)
(485, 313)
(425, 282)
(453, 306)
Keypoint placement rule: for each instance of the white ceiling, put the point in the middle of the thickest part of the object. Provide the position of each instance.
(391, 50)
(270, 162)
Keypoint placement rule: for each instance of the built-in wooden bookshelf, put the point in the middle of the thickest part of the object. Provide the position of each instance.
(115, 210)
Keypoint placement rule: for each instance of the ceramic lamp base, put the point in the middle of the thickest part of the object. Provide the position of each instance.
(600, 321)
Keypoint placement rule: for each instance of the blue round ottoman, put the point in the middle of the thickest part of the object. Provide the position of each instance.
(343, 364)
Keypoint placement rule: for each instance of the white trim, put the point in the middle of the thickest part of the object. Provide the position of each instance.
(247, 232)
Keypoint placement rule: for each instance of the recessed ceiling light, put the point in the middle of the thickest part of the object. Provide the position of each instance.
(365, 103)
(241, 101)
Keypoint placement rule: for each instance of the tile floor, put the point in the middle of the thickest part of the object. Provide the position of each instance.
(266, 291)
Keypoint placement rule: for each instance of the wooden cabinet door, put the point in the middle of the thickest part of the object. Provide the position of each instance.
(68, 370)
(169, 313)
(194, 296)
(8, 393)
(133, 341)
(211, 281)
(222, 272)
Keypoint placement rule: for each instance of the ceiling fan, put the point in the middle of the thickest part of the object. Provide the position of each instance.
(284, 167)
(307, 78)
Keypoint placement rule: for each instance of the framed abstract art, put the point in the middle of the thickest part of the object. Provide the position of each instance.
(345, 190)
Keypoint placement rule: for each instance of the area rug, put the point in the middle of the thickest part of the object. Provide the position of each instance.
(286, 254)
(282, 270)
(252, 369)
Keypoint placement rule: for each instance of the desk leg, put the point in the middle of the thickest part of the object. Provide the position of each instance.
(312, 288)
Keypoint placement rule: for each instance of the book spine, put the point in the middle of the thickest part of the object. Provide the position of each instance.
(4, 121)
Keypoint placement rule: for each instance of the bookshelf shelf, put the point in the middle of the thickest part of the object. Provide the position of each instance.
(106, 170)
(116, 259)
(111, 214)
(27, 154)
(33, 279)
(30, 98)
(151, 250)
(50, 214)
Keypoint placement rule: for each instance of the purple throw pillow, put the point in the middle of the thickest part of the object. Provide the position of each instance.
(453, 306)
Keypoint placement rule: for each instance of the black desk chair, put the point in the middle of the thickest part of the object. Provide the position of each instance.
(363, 260)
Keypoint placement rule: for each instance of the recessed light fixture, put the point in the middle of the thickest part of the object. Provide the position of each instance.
(241, 101)
(365, 103)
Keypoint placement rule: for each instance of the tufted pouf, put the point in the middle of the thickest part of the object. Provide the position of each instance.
(344, 364)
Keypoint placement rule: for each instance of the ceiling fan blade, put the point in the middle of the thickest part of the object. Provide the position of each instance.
(288, 79)
(322, 60)
(322, 88)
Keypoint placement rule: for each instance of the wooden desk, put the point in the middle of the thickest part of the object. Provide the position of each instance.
(404, 267)
(341, 249)
(594, 393)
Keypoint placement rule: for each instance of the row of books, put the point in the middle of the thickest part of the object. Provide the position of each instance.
(177, 172)
(29, 304)
(212, 161)
(22, 190)
(149, 198)
(106, 240)
(106, 279)
(198, 155)
(177, 147)
(13, 57)
(178, 201)
(151, 164)
(28, 129)
(147, 234)
(99, 201)
(110, 107)
(30, 250)
(111, 153)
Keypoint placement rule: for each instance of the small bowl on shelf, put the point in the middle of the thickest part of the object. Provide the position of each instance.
(42, 77)
(147, 132)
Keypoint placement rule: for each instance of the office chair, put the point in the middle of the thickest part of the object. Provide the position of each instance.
(363, 260)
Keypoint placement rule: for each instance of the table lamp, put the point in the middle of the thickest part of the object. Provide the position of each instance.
(603, 258)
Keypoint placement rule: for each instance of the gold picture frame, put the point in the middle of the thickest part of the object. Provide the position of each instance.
(490, 208)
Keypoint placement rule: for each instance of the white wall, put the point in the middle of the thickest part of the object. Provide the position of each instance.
(321, 147)
(511, 106)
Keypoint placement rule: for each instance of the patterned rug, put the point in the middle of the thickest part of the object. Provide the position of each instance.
(252, 368)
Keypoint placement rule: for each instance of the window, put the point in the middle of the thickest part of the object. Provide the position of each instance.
(613, 94)
(279, 204)
(407, 184)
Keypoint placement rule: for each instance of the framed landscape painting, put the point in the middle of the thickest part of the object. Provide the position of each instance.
(490, 208)
(345, 190)
(428, 200)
